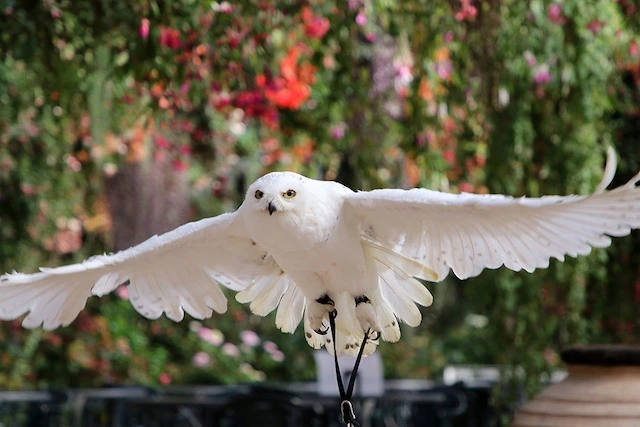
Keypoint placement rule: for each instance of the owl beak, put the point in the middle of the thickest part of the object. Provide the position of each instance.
(271, 208)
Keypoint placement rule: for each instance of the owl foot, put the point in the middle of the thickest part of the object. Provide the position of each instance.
(318, 313)
(366, 314)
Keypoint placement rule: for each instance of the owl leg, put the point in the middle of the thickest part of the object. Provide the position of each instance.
(366, 315)
(318, 311)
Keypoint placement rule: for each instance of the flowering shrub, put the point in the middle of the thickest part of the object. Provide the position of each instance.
(170, 109)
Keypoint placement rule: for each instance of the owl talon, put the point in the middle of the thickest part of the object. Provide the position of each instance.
(322, 331)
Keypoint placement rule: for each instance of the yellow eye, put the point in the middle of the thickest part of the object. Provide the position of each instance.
(259, 194)
(289, 194)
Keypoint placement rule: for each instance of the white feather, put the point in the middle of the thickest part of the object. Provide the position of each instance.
(290, 309)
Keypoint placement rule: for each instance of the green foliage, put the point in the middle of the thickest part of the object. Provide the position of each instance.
(502, 96)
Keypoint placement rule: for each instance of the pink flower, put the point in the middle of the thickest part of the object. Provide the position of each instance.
(361, 19)
(554, 12)
(165, 378)
(444, 68)
(270, 346)
(144, 28)
(201, 359)
(161, 142)
(448, 37)
(212, 336)
(467, 11)
(466, 187)
(250, 338)
(230, 349)
(123, 292)
(449, 156)
(224, 7)
(277, 356)
(403, 73)
(530, 58)
(634, 49)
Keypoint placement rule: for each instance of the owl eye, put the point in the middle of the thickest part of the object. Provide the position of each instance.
(289, 194)
(259, 194)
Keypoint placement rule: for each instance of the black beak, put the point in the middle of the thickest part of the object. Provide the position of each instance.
(272, 208)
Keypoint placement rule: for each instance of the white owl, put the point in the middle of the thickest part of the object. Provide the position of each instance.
(307, 248)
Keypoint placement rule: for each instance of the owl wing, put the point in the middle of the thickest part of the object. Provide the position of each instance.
(171, 273)
(467, 233)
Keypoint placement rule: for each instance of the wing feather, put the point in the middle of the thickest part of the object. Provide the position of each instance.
(170, 273)
(290, 309)
(466, 233)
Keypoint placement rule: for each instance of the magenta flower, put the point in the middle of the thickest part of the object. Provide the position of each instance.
(338, 131)
(144, 28)
(554, 12)
(249, 338)
(162, 142)
(448, 37)
(361, 19)
(542, 75)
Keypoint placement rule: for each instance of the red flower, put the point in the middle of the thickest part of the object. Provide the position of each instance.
(449, 156)
(315, 26)
(595, 26)
(179, 165)
(169, 37)
(467, 11)
(165, 378)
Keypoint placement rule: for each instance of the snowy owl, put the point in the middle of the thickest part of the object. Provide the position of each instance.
(308, 248)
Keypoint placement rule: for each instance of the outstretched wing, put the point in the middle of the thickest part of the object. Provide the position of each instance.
(171, 273)
(468, 233)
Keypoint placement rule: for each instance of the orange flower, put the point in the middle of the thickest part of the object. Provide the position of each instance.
(292, 89)
(304, 151)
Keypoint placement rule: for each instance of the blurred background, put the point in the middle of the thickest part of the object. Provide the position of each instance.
(121, 119)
